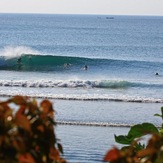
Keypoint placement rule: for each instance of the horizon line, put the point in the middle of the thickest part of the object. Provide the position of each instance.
(93, 14)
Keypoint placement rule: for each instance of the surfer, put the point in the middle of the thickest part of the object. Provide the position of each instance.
(156, 73)
(19, 61)
(85, 67)
(67, 65)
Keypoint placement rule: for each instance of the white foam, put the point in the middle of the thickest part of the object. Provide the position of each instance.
(68, 96)
(16, 51)
(97, 124)
(84, 97)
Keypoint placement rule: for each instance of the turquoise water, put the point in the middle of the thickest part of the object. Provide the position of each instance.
(45, 56)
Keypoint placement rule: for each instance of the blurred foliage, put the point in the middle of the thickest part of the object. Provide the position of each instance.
(136, 152)
(27, 135)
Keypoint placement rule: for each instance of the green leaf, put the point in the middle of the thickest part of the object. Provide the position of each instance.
(140, 146)
(52, 121)
(136, 131)
(158, 115)
(142, 129)
(161, 131)
(122, 139)
(162, 111)
(60, 147)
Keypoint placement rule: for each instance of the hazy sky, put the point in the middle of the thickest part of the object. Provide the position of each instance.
(110, 7)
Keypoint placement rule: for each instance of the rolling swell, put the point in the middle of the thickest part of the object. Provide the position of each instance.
(31, 62)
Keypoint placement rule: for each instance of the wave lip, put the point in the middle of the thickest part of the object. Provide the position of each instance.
(10, 52)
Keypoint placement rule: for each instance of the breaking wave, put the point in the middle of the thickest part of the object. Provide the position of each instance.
(78, 84)
(32, 60)
(97, 124)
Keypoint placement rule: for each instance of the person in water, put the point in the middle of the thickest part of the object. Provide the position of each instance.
(67, 65)
(19, 61)
(85, 67)
(156, 73)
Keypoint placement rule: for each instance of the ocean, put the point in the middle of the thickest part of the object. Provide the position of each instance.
(103, 73)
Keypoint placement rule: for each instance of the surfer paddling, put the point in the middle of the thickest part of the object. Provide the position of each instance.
(67, 65)
(85, 67)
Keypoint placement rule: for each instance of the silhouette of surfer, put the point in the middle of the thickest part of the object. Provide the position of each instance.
(19, 61)
(156, 73)
(85, 67)
(67, 65)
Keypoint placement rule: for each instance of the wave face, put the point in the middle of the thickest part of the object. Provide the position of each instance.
(33, 62)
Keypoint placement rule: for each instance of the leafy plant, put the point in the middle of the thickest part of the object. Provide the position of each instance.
(27, 136)
(134, 151)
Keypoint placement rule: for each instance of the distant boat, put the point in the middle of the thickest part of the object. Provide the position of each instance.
(109, 17)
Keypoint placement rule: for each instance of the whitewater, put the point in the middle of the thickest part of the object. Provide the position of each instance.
(100, 73)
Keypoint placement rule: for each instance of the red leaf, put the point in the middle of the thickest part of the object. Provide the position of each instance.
(54, 154)
(112, 155)
(26, 158)
(19, 100)
(22, 121)
(46, 106)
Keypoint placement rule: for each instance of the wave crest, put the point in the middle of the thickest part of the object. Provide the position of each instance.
(9, 52)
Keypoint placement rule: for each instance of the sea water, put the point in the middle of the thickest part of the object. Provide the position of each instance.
(98, 70)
